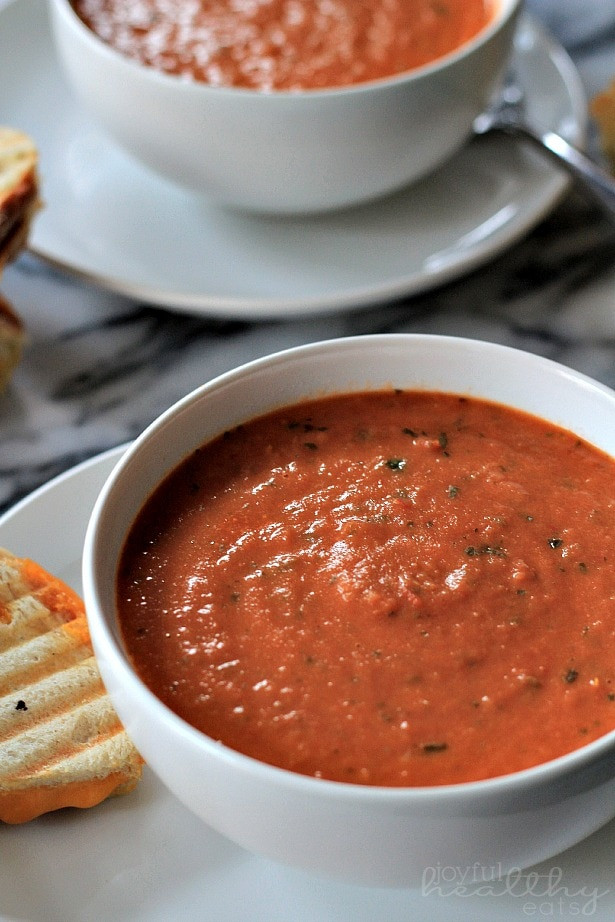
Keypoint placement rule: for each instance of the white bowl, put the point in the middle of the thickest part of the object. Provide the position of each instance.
(283, 151)
(369, 835)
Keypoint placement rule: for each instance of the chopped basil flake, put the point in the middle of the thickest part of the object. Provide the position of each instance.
(434, 747)
(396, 464)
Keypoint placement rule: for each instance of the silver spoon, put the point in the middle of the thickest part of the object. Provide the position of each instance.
(507, 115)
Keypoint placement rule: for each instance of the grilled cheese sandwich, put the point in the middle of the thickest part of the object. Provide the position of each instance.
(61, 742)
(19, 202)
(19, 191)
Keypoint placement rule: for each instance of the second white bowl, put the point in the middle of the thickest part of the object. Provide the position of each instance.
(281, 151)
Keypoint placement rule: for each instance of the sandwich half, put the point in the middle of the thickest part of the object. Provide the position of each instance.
(19, 191)
(19, 202)
(61, 741)
(12, 339)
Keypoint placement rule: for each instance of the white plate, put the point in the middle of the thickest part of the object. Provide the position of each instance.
(144, 858)
(116, 224)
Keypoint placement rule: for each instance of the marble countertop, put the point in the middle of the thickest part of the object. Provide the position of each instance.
(98, 367)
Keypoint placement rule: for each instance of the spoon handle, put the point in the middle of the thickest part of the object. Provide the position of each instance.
(596, 180)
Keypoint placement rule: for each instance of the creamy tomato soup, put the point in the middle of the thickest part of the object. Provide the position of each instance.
(285, 44)
(388, 588)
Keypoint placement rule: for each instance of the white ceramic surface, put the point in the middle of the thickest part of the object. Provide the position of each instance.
(359, 834)
(107, 219)
(287, 152)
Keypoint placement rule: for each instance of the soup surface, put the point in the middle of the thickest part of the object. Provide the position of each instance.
(285, 44)
(389, 588)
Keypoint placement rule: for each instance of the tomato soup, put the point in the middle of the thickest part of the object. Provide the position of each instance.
(285, 44)
(389, 588)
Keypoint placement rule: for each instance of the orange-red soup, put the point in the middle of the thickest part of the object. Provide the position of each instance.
(285, 44)
(388, 588)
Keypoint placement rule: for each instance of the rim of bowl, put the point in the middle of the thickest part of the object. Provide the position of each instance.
(505, 11)
(112, 650)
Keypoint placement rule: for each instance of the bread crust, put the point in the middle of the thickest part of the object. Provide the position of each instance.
(17, 808)
(12, 341)
(19, 192)
(61, 741)
(19, 203)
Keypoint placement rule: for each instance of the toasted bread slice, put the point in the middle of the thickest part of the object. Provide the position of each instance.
(19, 191)
(12, 338)
(61, 742)
(19, 202)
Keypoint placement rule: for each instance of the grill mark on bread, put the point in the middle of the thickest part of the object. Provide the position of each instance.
(28, 754)
(38, 657)
(50, 696)
(26, 618)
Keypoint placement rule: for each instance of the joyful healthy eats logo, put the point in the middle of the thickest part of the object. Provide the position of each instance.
(541, 895)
